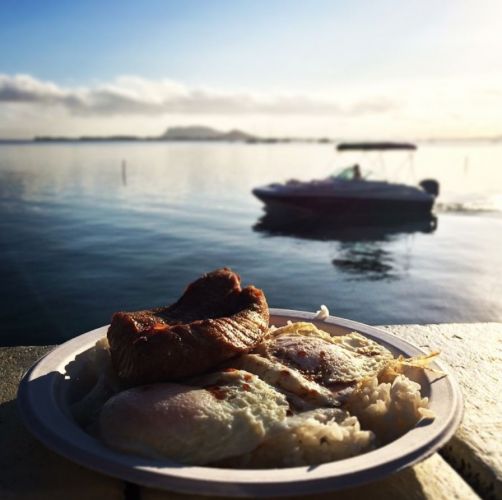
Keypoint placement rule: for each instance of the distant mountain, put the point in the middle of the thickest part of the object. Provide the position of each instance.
(238, 135)
(202, 133)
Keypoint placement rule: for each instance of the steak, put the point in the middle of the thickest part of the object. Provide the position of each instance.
(213, 321)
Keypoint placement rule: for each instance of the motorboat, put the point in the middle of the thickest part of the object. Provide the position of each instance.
(350, 194)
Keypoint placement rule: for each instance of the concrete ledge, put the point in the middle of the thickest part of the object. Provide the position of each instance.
(474, 352)
(28, 470)
(431, 479)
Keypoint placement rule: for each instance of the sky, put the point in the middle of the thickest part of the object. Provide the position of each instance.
(361, 69)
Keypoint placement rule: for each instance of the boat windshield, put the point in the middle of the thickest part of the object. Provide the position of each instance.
(352, 173)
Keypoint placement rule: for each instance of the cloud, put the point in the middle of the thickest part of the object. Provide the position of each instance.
(132, 95)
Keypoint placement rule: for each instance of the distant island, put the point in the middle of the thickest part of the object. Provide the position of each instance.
(201, 133)
(190, 133)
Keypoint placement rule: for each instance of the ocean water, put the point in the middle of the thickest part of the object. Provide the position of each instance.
(89, 229)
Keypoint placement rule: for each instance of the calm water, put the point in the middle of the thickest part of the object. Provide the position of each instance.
(80, 238)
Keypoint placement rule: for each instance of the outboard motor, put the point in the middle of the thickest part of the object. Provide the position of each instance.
(430, 186)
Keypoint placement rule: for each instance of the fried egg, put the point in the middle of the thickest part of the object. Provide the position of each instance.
(331, 361)
(228, 414)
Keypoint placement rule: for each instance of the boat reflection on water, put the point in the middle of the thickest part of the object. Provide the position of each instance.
(364, 244)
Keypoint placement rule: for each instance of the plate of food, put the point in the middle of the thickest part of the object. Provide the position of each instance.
(217, 394)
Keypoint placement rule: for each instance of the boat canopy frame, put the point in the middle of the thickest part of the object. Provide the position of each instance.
(378, 148)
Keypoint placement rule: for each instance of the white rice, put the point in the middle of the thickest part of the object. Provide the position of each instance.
(388, 409)
(376, 414)
(310, 438)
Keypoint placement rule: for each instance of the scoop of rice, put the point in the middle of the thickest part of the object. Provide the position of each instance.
(310, 438)
(388, 409)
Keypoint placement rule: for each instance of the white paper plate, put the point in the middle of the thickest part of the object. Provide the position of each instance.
(45, 390)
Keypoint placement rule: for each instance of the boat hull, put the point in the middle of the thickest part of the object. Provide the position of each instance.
(347, 206)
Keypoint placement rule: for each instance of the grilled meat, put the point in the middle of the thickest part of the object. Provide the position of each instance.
(213, 321)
